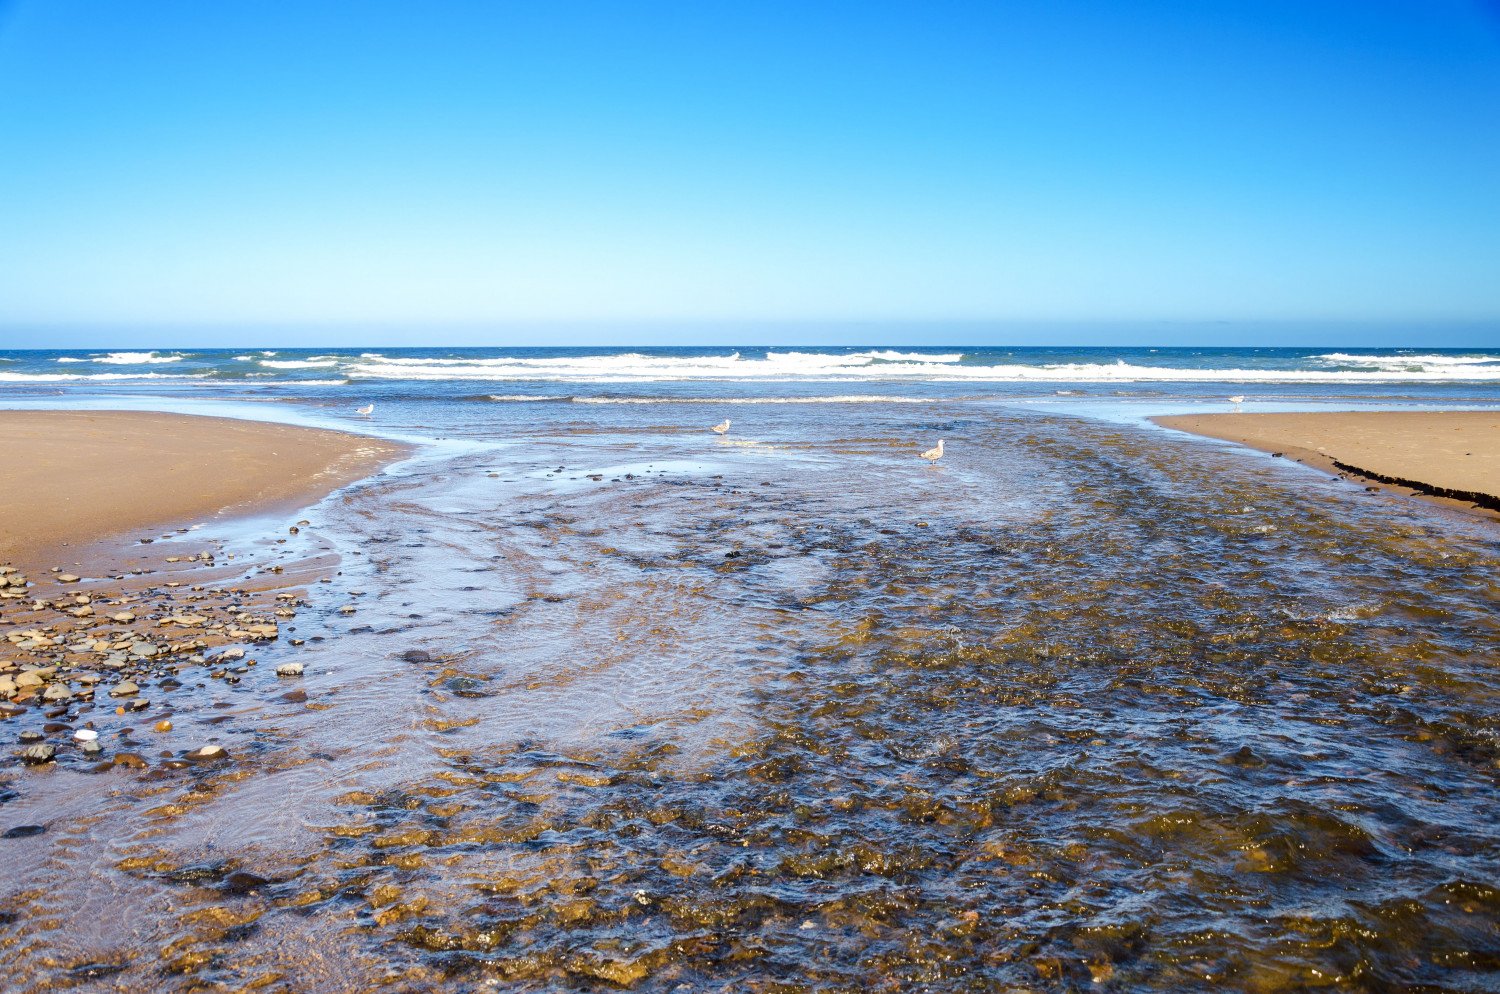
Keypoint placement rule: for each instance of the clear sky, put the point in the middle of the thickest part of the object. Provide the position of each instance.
(472, 166)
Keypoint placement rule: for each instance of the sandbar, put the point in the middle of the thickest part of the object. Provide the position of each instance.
(72, 478)
(1449, 456)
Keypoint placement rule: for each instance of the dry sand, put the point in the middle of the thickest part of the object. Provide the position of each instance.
(1449, 456)
(72, 478)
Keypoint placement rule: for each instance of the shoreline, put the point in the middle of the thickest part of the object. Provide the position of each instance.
(76, 481)
(89, 603)
(1447, 458)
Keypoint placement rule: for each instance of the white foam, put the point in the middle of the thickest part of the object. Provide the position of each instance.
(1406, 362)
(298, 363)
(136, 358)
(888, 355)
(793, 367)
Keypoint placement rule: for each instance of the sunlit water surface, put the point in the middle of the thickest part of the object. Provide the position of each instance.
(1085, 705)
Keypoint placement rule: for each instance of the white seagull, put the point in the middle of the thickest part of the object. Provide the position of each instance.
(721, 428)
(933, 455)
(1237, 400)
(365, 411)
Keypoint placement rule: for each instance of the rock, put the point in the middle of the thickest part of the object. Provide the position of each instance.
(38, 754)
(131, 760)
(29, 678)
(229, 654)
(289, 669)
(163, 726)
(57, 692)
(30, 736)
(417, 656)
(124, 689)
(123, 617)
(23, 832)
(465, 686)
(242, 882)
(85, 735)
(66, 578)
(91, 748)
(208, 753)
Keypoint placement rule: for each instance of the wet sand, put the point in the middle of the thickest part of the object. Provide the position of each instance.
(1452, 457)
(73, 478)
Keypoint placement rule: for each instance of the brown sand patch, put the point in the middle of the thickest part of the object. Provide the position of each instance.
(77, 477)
(1452, 457)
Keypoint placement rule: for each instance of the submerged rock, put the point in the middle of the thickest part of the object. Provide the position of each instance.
(242, 882)
(23, 831)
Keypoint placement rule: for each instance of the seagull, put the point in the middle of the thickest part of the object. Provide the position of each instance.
(1237, 400)
(721, 428)
(366, 411)
(933, 455)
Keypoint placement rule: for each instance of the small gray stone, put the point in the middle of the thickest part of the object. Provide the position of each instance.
(38, 754)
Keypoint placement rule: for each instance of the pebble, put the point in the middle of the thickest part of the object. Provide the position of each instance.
(66, 578)
(123, 617)
(91, 747)
(124, 689)
(23, 832)
(289, 669)
(38, 754)
(208, 753)
(417, 656)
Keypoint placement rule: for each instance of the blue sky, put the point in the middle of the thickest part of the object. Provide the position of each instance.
(468, 168)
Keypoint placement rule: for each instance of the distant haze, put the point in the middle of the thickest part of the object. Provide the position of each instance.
(179, 173)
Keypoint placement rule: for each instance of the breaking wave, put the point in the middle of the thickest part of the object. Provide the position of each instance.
(126, 358)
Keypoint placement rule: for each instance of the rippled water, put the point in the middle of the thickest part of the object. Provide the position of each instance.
(1086, 705)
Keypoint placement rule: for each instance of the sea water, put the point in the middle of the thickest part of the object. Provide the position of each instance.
(1087, 704)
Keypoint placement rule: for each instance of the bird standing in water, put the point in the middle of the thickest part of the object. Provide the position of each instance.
(722, 428)
(365, 411)
(933, 455)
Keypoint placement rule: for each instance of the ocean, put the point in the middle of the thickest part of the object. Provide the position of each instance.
(595, 696)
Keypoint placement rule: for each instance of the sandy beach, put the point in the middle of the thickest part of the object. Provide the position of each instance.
(1452, 457)
(73, 478)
